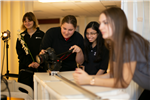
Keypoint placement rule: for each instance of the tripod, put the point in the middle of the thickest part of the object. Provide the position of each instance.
(7, 72)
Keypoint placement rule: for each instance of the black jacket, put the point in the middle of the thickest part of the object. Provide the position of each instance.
(92, 67)
(33, 43)
(54, 39)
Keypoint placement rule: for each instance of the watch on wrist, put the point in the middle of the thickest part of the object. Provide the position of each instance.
(92, 81)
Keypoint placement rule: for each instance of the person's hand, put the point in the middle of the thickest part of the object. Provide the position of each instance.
(75, 48)
(31, 65)
(42, 52)
(34, 65)
(81, 77)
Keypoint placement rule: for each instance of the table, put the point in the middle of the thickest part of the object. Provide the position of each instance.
(52, 88)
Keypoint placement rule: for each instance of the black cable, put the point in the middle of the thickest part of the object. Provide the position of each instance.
(6, 83)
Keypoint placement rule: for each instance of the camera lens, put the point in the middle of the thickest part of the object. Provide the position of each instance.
(42, 58)
(49, 55)
(39, 59)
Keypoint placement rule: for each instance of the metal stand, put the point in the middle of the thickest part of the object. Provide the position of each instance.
(53, 73)
(7, 72)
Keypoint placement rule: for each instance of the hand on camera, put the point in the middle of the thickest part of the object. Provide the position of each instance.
(42, 52)
(75, 48)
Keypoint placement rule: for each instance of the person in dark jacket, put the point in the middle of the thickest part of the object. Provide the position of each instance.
(27, 47)
(65, 38)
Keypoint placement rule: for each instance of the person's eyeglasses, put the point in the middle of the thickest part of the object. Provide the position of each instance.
(91, 33)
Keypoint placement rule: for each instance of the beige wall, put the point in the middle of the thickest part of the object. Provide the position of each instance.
(11, 16)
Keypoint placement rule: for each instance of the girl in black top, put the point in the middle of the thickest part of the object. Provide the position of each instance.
(27, 47)
(96, 55)
(65, 38)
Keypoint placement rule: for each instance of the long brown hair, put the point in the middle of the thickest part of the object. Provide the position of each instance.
(122, 35)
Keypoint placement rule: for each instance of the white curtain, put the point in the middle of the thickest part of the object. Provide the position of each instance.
(11, 19)
(138, 16)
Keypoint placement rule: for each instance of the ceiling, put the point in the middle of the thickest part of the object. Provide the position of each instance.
(60, 9)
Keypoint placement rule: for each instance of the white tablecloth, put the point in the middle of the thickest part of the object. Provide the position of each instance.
(51, 87)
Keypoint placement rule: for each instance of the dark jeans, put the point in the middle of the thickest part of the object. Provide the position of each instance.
(145, 95)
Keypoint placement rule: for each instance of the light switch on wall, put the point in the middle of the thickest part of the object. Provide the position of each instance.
(139, 19)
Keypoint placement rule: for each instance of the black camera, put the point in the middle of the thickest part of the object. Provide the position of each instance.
(50, 57)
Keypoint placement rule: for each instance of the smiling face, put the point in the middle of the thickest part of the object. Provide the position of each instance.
(67, 30)
(28, 24)
(105, 27)
(91, 35)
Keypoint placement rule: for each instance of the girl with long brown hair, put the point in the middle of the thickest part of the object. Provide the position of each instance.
(129, 55)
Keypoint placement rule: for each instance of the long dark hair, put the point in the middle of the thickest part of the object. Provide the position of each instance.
(99, 41)
(122, 35)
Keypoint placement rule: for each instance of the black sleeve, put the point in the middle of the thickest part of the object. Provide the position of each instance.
(105, 58)
(43, 34)
(24, 60)
(47, 40)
